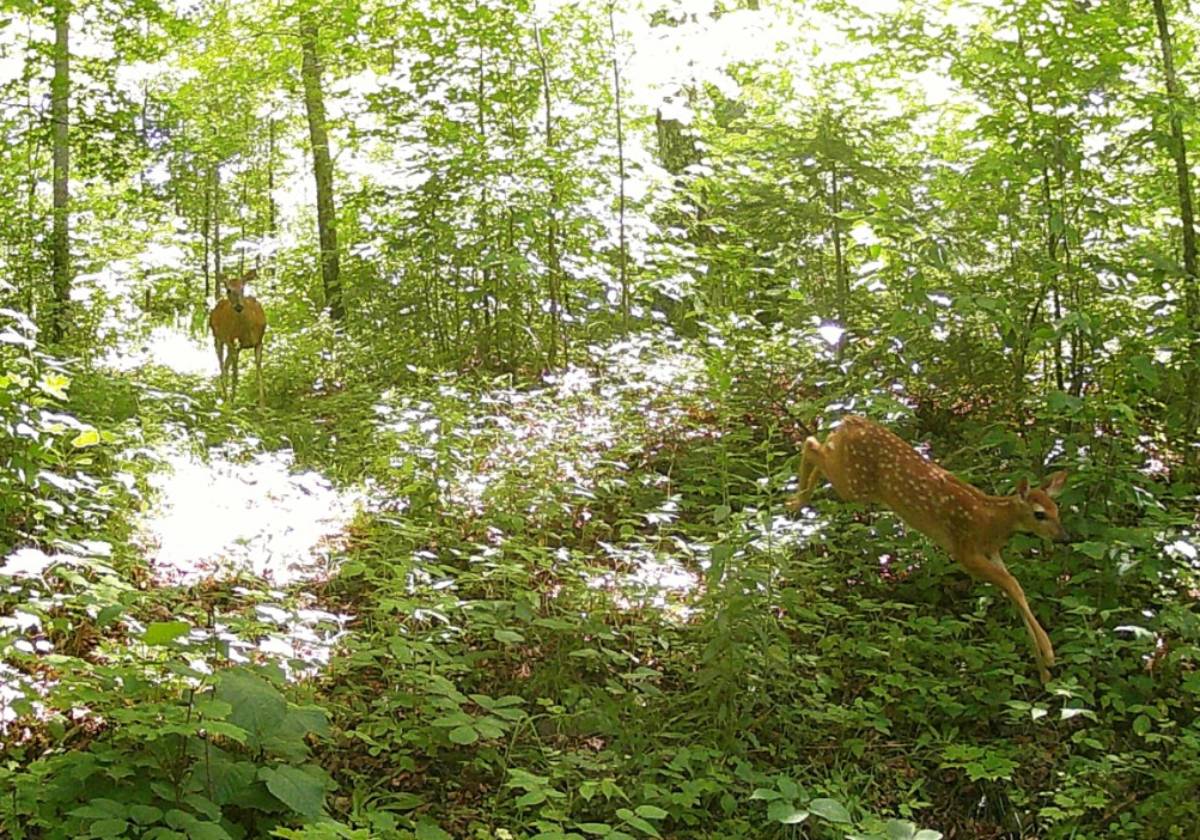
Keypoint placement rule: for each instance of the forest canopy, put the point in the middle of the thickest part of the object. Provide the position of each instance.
(400, 404)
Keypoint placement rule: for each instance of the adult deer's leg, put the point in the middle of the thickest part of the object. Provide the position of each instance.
(234, 352)
(220, 345)
(258, 371)
(994, 572)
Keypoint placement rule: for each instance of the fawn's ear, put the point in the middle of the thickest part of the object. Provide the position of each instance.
(1023, 488)
(1054, 484)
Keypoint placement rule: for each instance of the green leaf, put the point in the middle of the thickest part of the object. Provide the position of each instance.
(55, 384)
(464, 735)
(650, 812)
(508, 637)
(164, 632)
(767, 794)
(257, 706)
(88, 437)
(637, 822)
(1095, 550)
(145, 814)
(231, 779)
(108, 828)
(205, 830)
(431, 831)
(296, 789)
(900, 830)
(534, 797)
(99, 809)
(599, 829)
(405, 801)
(783, 811)
(829, 809)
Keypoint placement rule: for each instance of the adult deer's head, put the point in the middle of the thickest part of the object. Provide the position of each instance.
(234, 287)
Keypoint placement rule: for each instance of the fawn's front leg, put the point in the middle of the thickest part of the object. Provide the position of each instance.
(994, 571)
(812, 459)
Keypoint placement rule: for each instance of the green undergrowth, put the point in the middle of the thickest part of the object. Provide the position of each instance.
(525, 661)
(578, 609)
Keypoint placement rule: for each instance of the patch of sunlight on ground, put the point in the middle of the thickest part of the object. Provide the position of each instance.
(170, 346)
(243, 514)
(299, 639)
(648, 579)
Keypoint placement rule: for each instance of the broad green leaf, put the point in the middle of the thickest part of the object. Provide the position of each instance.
(637, 822)
(830, 809)
(431, 831)
(300, 791)
(464, 735)
(231, 779)
(1095, 550)
(783, 811)
(86, 438)
(145, 814)
(650, 812)
(165, 632)
(534, 797)
(767, 794)
(206, 830)
(55, 384)
(258, 707)
(108, 828)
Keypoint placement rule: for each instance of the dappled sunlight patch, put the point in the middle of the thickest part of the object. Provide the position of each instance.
(643, 577)
(298, 639)
(782, 532)
(234, 514)
(172, 347)
(537, 451)
(42, 584)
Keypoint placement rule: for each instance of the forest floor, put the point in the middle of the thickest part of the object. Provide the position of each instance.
(577, 608)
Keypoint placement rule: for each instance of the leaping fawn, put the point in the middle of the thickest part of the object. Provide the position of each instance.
(866, 463)
(238, 323)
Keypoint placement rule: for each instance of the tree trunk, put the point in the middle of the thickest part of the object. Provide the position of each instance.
(1191, 295)
(60, 90)
(272, 210)
(623, 270)
(214, 175)
(205, 227)
(314, 104)
(839, 258)
(552, 258)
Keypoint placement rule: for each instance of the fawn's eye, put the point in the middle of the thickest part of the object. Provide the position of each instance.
(1039, 514)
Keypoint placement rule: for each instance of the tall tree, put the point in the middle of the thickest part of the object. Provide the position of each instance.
(1178, 143)
(60, 116)
(623, 256)
(314, 105)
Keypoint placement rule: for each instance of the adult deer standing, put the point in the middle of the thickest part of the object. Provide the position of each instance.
(866, 463)
(238, 323)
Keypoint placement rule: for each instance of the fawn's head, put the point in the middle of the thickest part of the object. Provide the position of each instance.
(234, 287)
(1039, 514)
